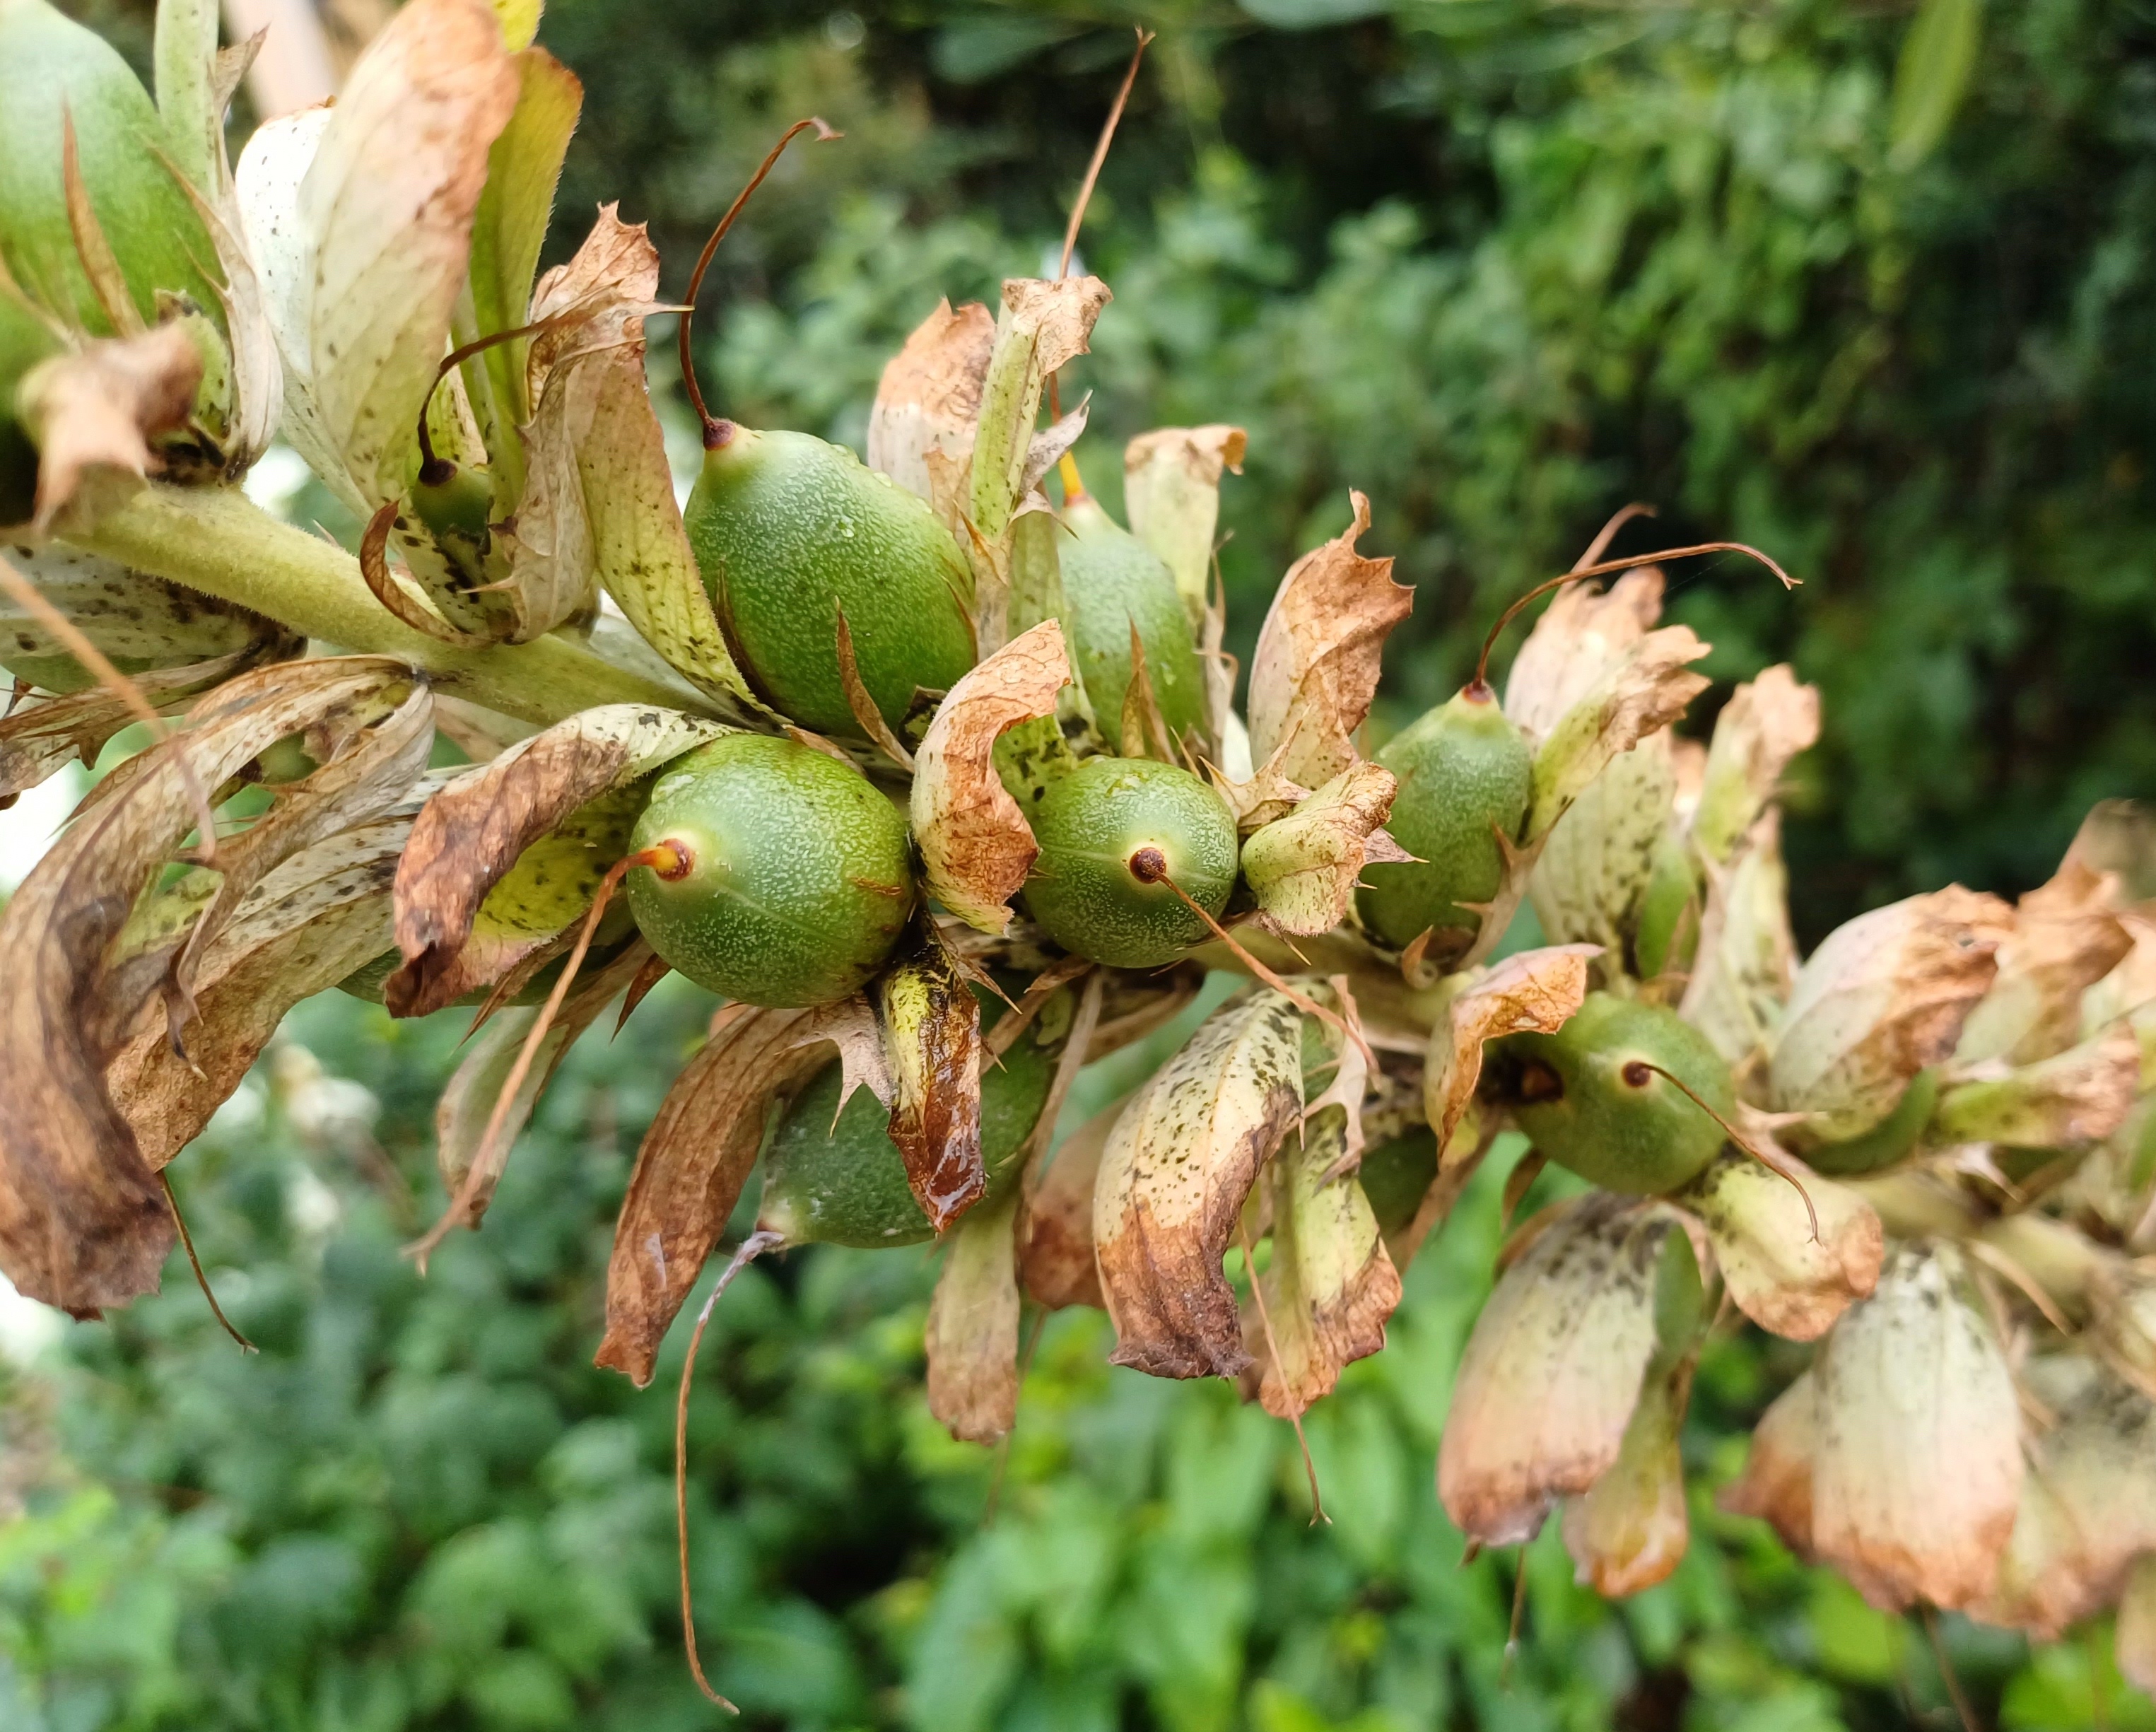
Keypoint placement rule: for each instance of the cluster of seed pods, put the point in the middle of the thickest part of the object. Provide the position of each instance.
(931, 770)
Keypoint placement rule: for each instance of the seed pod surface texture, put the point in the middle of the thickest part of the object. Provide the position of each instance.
(1593, 1098)
(797, 880)
(1462, 770)
(1107, 832)
(787, 529)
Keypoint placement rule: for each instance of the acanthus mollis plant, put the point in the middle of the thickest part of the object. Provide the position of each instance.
(930, 770)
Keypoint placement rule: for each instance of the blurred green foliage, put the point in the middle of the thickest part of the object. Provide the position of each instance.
(420, 1507)
(1868, 286)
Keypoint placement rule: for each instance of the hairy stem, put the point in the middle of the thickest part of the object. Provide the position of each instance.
(219, 541)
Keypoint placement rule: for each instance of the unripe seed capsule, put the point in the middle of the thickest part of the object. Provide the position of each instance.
(1118, 837)
(1595, 1098)
(1464, 774)
(784, 875)
(53, 71)
(1112, 582)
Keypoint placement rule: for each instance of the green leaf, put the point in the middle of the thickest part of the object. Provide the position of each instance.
(522, 168)
(1932, 75)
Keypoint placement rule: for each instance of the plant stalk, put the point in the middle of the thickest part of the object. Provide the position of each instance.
(219, 541)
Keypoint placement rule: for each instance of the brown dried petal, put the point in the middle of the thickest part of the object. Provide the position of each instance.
(1044, 324)
(932, 1033)
(306, 926)
(972, 1338)
(1766, 722)
(1779, 1275)
(1535, 990)
(1630, 1530)
(699, 1152)
(1179, 1162)
(2088, 1502)
(1552, 1369)
(2135, 1637)
(1303, 868)
(471, 834)
(388, 204)
(929, 394)
(1644, 691)
(1055, 1263)
(1883, 997)
(2071, 1100)
(83, 1222)
(1746, 959)
(1581, 635)
(41, 736)
(467, 1104)
(91, 416)
(2066, 937)
(575, 369)
(975, 844)
(1172, 496)
(1776, 1484)
(1319, 655)
(1919, 1468)
(1330, 1286)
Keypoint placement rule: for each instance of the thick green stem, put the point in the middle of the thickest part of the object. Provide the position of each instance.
(218, 541)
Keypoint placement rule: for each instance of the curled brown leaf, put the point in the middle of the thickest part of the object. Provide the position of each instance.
(932, 1030)
(698, 1154)
(975, 843)
(83, 1222)
(1319, 655)
(472, 833)
(1329, 1287)
(929, 394)
(1537, 990)
(1179, 1164)
(93, 415)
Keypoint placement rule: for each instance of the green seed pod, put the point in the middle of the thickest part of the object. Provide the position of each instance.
(25, 340)
(844, 1184)
(1886, 1142)
(1465, 773)
(794, 878)
(1109, 833)
(1397, 1176)
(1592, 1097)
(1667, 931)
(51, 66)
(787, 530)
(456, 504)
(1111, 582)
